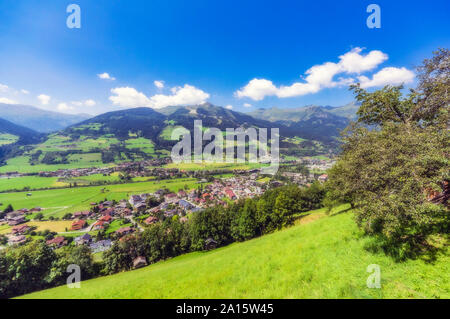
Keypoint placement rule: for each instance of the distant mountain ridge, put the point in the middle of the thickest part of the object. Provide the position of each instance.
(26, 135)
(143, 133)
(311, 121)
(151, 123)
(321, 123)
(38, 119)
(305, 113)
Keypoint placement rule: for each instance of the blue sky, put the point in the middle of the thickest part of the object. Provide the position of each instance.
(230, 53)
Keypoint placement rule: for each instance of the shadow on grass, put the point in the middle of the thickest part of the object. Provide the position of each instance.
(401, 251)
(340, 211)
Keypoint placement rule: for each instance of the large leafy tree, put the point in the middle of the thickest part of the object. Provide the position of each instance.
(395, 157)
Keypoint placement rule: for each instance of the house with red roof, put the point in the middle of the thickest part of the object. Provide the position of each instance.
(19, 230)
(106, 218)
(100, 225)
(124, 231)
(57, 242)
(79, 224)
(230, 193)
(151, 220)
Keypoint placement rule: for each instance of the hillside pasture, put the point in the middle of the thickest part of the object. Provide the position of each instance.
(6, 139)
(326, 257)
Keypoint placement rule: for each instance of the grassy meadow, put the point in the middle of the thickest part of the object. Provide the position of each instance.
(27, 181)
(38, 182)
(320, 257)
(57, 202)
(21, 164)
(6, 139)
(213, 166)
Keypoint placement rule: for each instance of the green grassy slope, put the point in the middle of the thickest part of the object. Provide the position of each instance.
(324, 258)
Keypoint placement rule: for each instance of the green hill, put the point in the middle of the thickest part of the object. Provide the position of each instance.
(321, 257)
(24, 135)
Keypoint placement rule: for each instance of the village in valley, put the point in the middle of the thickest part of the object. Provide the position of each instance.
(104, 222)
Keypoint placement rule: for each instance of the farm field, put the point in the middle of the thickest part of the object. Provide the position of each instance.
(21, 164)
(142, 144)
(36, 182)
(213, 166)
(56, 226)
(6, 139)
(19, 183)
(4, 229)
(57, 202)
(321, 257)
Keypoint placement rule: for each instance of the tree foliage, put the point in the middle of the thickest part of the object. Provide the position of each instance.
(395, 157)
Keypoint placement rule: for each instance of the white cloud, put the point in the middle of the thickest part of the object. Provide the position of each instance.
(388, 76)
(129, 97)
(257, 89)
(354, 62)
(247, 105)
(7, 101)
(317, 77)
(64, 107)
(159, 84)
(186, 95)
(106, 76)
(3, 88)
(89, 102)
(44, 99)
(77, 103)
(25, 91)
(229, 107)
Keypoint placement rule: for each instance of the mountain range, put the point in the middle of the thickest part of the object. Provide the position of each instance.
(321, 123)
(314, 122)
(305, 131)
(38, 119)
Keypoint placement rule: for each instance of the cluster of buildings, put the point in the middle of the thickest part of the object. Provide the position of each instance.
(170, 204)
(16, 219)
(233, 188)
(181, 203)
(18, 216)
(318, 164)
(302, 179)
(139, 210)
(132, 168)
